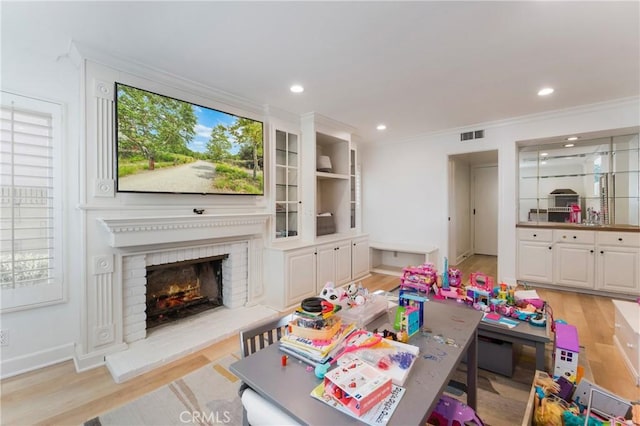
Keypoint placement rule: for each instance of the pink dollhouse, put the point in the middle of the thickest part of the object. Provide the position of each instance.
(566, 349)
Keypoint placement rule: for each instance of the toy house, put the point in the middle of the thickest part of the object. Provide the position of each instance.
(412, 299)
(566, 349)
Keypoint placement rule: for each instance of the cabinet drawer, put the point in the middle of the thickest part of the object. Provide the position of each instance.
(570, 236)
(535, 235)
(624, 239)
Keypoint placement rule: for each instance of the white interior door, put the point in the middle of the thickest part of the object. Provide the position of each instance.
(485, 210)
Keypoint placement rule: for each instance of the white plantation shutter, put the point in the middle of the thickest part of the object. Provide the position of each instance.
(29, 202)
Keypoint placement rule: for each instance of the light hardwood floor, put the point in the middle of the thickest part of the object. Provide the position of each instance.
(57, 395)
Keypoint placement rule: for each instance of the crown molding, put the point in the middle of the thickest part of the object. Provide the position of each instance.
(321, 120)
(557, 113)
(134, 67)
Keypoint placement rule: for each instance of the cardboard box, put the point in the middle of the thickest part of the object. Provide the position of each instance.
(357, 385)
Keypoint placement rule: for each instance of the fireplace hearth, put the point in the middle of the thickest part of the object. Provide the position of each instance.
(181, 289)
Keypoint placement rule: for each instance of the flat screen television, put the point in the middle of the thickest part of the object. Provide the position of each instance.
(165, 145)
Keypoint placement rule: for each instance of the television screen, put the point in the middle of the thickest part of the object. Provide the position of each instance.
(165, 145)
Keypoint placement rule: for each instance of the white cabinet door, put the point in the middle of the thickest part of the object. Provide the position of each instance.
(343, 262)
(326, 266)
(535, 261)
(618, 269)
(300, 280)
(359, 258)
(334, 264)
(574, 265)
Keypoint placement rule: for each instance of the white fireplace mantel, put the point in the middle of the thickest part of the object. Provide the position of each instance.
(130, 232)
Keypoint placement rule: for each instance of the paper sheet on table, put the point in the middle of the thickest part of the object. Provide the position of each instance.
(379, 415)
(526, 294)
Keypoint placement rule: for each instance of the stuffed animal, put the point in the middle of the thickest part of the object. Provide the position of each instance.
(331, 293)
(354, 295)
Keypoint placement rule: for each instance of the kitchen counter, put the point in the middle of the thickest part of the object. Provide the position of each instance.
(579, 226)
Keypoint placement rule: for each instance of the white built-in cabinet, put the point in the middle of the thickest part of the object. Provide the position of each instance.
(306, 250)
(360, 257)
(618, 262)
(300, 266)
(334, 263)
(293, 272)
(535, 255)
(573, 258)
(287, 184)
(592, 260)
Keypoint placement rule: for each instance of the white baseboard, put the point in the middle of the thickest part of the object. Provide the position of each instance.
(84, 362)
(627, 361)
(22, 364)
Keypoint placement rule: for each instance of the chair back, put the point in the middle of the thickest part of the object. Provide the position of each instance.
(262, 335)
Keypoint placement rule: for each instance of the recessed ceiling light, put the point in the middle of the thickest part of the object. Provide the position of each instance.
(544, 154)
(569, 145)
(573, 138)
(296, 88)
(381, 127)
(545, 91)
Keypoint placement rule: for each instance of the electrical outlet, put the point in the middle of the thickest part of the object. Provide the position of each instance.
(4, 337)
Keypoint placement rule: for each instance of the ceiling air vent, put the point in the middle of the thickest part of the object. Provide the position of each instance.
(476, 134)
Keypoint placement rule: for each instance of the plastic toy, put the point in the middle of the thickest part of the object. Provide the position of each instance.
(419, 277)
(445, 274)
(412, 299)
(354, 295)
(481, 281)
(408, 320)
(455, 277)
(331, 293)
(566, 349)
(450, 411)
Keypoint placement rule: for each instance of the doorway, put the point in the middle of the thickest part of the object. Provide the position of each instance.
(473, 205)
(485, 210)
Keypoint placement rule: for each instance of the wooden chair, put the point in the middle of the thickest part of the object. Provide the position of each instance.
(256, 409)
(262, 335)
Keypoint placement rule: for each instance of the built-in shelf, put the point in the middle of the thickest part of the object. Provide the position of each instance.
(325, 175)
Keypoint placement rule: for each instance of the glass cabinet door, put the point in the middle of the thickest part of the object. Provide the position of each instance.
(353, 188)
(625, 180)
(287, 196)
(593, 182)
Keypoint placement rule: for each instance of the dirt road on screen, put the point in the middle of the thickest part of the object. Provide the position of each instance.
(193, 177)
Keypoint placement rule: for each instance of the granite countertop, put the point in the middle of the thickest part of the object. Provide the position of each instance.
(579, 226)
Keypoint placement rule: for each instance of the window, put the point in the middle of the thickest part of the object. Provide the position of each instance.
(30, 202)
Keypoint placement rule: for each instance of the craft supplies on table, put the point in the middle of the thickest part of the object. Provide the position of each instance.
(357, 385)
(394, 359)
(379, 415)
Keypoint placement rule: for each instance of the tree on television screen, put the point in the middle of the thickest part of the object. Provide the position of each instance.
(248, 134)
(151, 124)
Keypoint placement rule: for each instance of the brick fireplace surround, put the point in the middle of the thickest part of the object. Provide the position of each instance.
(139, 243)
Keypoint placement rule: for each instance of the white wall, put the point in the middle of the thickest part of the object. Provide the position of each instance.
(407, 202)
(48, 334)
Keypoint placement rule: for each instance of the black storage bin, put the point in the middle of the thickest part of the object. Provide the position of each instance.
(495, 355)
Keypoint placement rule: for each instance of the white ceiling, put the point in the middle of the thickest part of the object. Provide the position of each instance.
(418, 67)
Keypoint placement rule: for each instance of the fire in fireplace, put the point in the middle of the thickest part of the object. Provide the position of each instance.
(182, 289)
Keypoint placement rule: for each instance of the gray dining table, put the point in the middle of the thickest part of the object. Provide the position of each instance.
(448, 333)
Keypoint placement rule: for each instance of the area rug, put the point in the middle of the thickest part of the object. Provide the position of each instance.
(209, 396)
